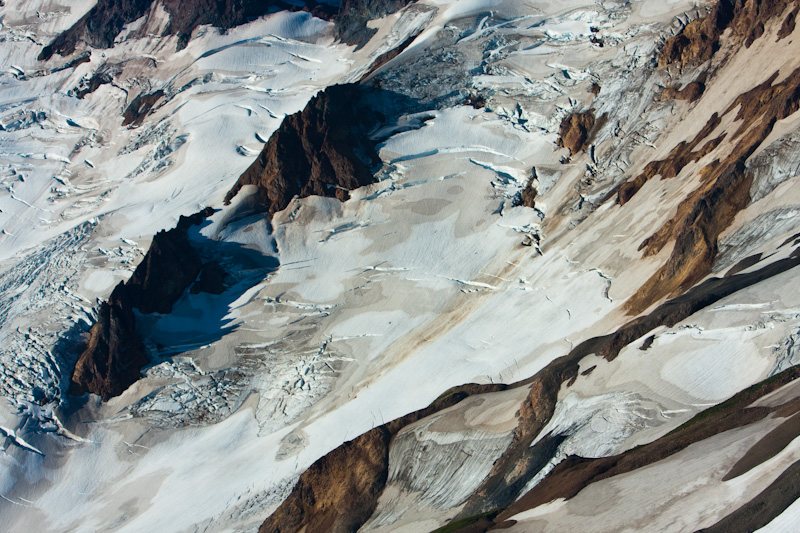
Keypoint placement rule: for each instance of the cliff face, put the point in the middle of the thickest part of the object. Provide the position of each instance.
(114, 356)
(323, 150)
(170, 266)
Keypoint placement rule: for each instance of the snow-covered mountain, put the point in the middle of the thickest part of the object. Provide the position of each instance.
(399, 266)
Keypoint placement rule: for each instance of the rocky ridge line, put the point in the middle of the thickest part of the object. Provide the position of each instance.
(115, 355)
(323, 150)
(101, 25)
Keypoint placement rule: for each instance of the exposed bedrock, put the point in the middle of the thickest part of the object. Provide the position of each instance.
(700, 39)
(170, 266)
(691, 92)
(114, 355)
(101, 25)
(340, 491)
(140, 107)
(724, 191)
(575, 131)
(335, 488)
(527, 197)
(323, 150)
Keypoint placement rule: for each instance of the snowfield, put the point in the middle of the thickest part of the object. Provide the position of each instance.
(343, 316)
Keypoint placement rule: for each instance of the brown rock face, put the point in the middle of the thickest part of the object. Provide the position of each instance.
(170, 266)
(574, 131)
(114, 356)
(699, 39)
(317, 151)
(690, 93)
(340, 491)
(528, 195)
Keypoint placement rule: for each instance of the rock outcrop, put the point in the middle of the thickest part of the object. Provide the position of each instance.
(115, 355)
(691, 92)
(575, 131)
(348, 481)
(527, 197)
(170, 266)
(323, 150)
(725, 190)
(700, 39)
(340, 491)
(140, 107)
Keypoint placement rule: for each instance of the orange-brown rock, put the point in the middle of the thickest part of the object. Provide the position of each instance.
(691, 92)
(700, 39)
(168, 269)
(724, 191)
(317, 151)
(527, 197)
(339, 492)
(669, 167)
(575, 130)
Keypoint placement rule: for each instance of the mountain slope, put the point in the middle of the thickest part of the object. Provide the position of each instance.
(490, 265)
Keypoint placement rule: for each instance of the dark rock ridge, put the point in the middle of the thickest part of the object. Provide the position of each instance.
(101, 25)
(323, 150)
(692, 92)
(169, 267)
(527, 197)
(114, 355)
(140, 107)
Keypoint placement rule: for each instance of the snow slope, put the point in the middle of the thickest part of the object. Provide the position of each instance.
(352, 314)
